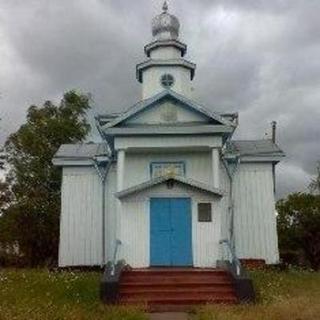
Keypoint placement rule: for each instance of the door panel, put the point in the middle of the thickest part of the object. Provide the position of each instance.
(160, 232)
(170, 232)
(181, 243)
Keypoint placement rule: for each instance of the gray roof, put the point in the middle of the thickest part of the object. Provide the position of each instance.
(152, 182)
(82, 151)
(255, 147)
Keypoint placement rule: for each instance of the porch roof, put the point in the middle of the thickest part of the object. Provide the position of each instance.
(155, 181)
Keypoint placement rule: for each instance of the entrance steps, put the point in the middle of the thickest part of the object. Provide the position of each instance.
(175, 289)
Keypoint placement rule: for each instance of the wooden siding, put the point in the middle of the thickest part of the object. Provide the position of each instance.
(81, 217)
(197, 164)
(254, 217)
(135, 226)
(81, 230)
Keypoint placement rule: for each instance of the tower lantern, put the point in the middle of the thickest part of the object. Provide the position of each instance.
(165, 67)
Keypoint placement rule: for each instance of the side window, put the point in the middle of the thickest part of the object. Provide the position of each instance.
(204, 212)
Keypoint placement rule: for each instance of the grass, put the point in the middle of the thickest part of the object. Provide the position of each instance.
(39, 294)
(293, 295)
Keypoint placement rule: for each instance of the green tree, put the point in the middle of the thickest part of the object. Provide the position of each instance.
(32, 218)
(299, 229)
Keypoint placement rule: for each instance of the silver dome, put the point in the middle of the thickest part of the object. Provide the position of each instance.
(165, 26)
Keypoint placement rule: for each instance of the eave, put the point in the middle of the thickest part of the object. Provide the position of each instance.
(169, 130)
(165, 43)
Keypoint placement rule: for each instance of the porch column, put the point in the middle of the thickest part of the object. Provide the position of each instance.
(215, 167)
(120, 169)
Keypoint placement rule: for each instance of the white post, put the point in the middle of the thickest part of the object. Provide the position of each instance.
(120, 169)
(215, 168)
(120, 186)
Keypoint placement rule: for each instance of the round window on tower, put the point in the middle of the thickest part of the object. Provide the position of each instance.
(167, 80)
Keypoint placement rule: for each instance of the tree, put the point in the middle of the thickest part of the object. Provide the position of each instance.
(32, 218)
(299, 229)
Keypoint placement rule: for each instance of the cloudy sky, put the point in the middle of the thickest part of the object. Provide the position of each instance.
(258, 57)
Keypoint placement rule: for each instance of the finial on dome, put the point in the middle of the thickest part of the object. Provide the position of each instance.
(165, 26)
(165, 7)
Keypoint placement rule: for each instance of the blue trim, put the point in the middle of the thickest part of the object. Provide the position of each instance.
(183, 162)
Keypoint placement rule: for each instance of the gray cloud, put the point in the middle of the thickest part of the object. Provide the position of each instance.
(258, 57)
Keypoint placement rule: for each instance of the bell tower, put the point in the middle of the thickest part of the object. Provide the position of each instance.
(165, 67)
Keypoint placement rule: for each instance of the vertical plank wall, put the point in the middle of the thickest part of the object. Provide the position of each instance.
(255, 219)
(81, 217)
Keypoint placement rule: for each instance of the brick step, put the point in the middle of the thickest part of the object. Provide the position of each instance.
(194, 290)
(187, 301)
(176, 279)
(177, 295)
(130, 274)
(175, 270)
(173, 286)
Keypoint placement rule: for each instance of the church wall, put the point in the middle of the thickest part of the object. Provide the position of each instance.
(81, 217)
(198, 165)
(254, 216)
(152, 85)
(135, 227)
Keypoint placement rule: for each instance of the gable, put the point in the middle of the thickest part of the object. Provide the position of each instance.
(166, 112)
(172, 106)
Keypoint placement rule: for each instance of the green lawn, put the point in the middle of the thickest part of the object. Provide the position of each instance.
(39, 294)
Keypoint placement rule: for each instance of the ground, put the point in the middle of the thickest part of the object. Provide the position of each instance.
(39, 294)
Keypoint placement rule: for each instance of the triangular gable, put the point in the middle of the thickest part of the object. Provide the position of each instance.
(176, 98)
(159, 180)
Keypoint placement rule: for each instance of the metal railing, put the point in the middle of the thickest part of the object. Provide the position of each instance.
(231, 257)
(114, 260)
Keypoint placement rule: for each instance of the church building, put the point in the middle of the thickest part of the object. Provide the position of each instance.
(168, 186)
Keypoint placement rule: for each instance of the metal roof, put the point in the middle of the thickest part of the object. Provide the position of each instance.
(82, 151)
(186, 181)
(255, 147)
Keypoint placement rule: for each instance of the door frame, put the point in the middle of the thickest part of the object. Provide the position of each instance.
(172, 196)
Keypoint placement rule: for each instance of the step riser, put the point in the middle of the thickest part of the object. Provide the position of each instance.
(172, 288)
(178, 302)
(180, 279)
(178, 296)
(176, 287)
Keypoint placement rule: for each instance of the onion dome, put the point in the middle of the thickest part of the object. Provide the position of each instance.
(165, 26)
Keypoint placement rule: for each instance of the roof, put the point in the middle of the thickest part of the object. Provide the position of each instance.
(255, 149)
(81, 152)
(153, 182)
(140, 106)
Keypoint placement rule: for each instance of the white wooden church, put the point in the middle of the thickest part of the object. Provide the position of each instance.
(168, 186)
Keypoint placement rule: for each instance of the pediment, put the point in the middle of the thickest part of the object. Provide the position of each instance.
(165, 108)
(166, 112)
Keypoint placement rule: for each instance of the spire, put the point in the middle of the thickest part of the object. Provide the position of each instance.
(165, 7)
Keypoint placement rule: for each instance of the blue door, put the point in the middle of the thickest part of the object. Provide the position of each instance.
(170, 232)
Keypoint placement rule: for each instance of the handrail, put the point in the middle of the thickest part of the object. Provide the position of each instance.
(114, 260)
(234, 259)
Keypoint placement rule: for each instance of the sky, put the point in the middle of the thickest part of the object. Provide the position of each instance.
(258, 57)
